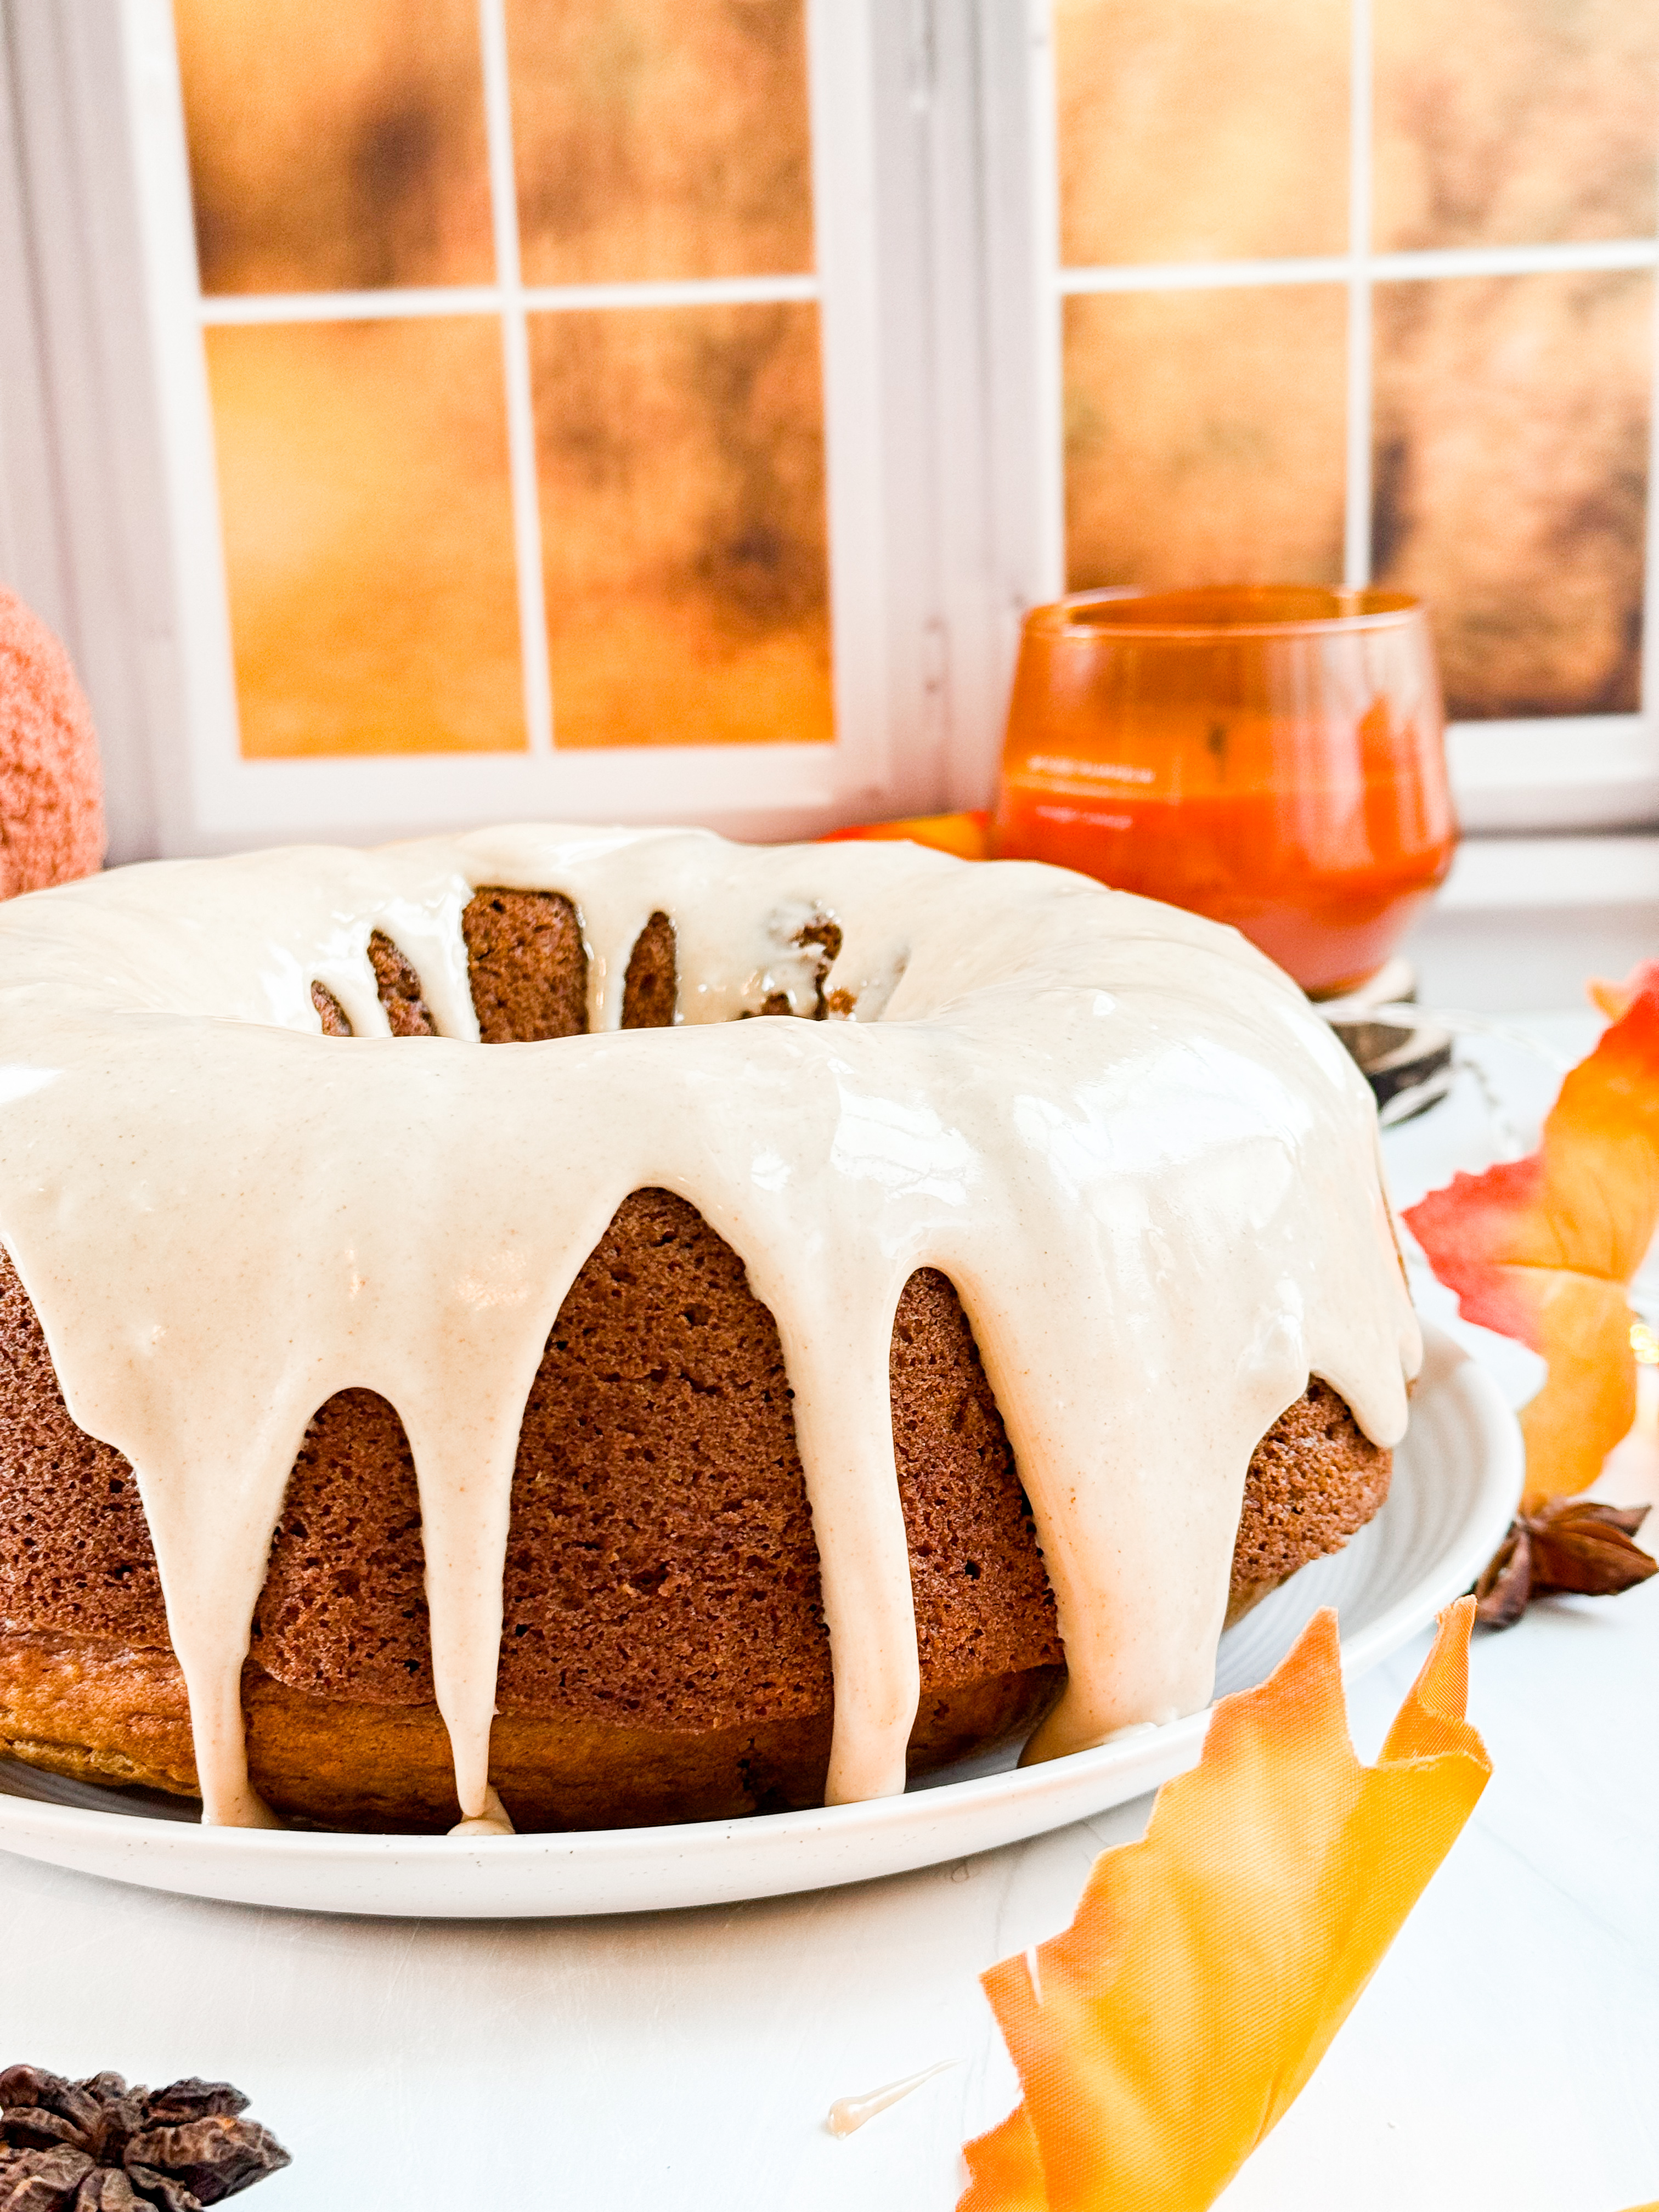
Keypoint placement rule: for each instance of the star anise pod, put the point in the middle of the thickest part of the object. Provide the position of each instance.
(1568, 1544)
(97, 2146)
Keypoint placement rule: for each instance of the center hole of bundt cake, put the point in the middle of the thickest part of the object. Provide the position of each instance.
(527, 967)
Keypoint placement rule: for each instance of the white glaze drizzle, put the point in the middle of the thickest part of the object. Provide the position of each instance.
(1148, 1166)
(494, 1820)
(848, 2114)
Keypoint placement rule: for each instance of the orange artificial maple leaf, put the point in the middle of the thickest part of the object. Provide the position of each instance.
(1543, 1249)
(1172, 2025)
(967, 835)
(1614, 1000)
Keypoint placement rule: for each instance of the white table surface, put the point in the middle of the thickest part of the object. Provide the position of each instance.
(1507, 2052)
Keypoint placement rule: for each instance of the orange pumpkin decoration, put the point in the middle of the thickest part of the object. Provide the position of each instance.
(51, 786)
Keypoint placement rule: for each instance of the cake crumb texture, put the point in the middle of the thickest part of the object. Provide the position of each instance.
(398, 989)
(651, 986)
(528, 966)
(1314, 1478)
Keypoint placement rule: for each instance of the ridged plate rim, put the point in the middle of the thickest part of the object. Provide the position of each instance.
(1457, 1479)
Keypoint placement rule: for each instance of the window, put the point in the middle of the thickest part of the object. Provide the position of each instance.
(461, 409)
(513, 351)
(521, 362)
(1356, 293)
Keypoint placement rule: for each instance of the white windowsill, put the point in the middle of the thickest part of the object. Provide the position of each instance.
(1493, 874)
(1574, 773)
(1524, 922)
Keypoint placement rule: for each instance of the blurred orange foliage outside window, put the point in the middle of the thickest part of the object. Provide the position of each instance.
(375, 533)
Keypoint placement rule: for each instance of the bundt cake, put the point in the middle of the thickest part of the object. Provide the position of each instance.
(681, 1415)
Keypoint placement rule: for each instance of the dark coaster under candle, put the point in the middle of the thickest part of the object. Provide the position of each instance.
(1406, 1057)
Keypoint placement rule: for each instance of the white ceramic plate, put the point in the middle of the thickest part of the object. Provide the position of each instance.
(1456, 1480)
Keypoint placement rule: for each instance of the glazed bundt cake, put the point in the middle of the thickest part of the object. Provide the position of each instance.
(669, 1419)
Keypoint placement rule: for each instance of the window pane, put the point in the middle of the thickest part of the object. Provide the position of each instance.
(1204, 436)
(368, 536)
(1505, 124)
(682, 517)
(336, 148)
(660, 138)
(1203, 130)
(1510, 482)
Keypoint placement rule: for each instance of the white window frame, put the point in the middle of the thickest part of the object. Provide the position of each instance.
(938, 258)
(93, 94)
(80, 460)
(1554, 774)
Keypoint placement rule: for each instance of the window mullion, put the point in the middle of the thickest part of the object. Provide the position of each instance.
(516, 356)
(1356, 516)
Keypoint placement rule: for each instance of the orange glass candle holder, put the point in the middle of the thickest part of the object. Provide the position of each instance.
(1271, 756)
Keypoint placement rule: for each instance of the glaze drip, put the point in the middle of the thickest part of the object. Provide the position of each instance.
(848, 2114)
(1148, 1167)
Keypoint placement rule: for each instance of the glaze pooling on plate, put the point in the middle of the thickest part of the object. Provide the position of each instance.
(1148, 1167)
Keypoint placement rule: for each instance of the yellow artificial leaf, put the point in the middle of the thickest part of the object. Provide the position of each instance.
(1208, 1967)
